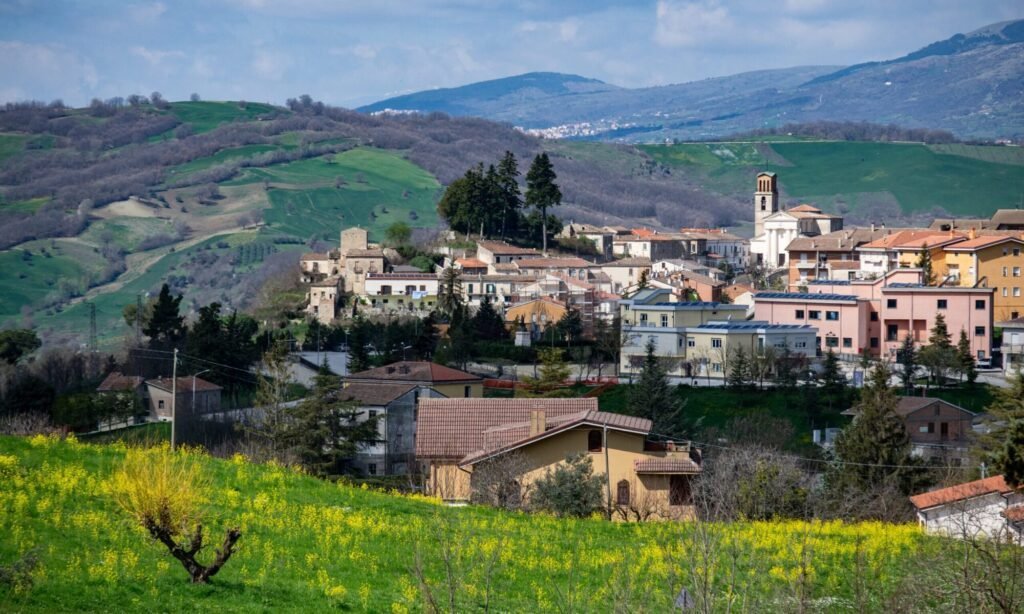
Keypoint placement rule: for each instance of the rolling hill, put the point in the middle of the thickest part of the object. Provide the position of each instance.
(970, 84)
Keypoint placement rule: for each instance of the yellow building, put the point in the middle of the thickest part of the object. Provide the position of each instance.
(450, 382)
(456, 440)
(537, 314)
(994, 261)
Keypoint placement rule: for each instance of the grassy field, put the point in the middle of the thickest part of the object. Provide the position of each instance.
(26, 281)
(126, 232)
(380, 188)
(11, 144)
(963, 180)
(222, 156)
(205, 116)
(309, 545)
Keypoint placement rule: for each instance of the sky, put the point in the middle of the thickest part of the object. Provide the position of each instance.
(348, 52)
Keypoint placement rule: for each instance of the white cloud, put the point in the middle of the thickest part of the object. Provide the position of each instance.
(155, 57)
(270, 65)
(686, 24)
(45, 71)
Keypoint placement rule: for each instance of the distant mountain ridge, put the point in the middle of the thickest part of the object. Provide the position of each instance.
(970, 84)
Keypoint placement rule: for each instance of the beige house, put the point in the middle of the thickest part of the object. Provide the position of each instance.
(456, 437)
(499, 252)
(624, 274)
(322, 299)
(194, 396)
(445, 380)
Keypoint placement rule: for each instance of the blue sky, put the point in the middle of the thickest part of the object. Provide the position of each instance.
(353, 52)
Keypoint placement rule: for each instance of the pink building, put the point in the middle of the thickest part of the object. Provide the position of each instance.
(876, 315)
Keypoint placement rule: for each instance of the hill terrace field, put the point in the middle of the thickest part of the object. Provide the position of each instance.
(856, 177)
(310, 545)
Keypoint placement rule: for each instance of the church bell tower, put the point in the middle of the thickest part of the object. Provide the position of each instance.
(766, 200)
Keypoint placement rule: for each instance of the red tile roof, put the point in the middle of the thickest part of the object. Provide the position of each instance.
(982, 242)
(1014, 513)
(414, 371)
(374, 394)
(673, 464)
(452, 428)
(805, 208)
(504, 249)
(553, 263)
(119, 381)
(184, 384)
(960, 492)
(471, 263)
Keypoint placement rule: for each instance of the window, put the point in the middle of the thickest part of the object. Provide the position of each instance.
(931, 427)
(594, 441)
(892, 332)
(679, 490)
(874, 316)
(1016, 291)
(622, 493)
(643, 318)
(716, 342)
(979, 331)
(1016, 251)
(1005, 292)
(691, 343)
(664, 320)
(372, 468)
(832, 342)
(467, 391)
(799, 314)
(874, 342)
(160, 404)
(814, 314)
(489, 287)
(979, 304)
(891, 303)
(1004, 271)
(469, 288)
(716, 367)
(372, 414)
(847, 342)
(941, 303)
(832, 315)
(944, 429)
(800, 344)
(1016, 271)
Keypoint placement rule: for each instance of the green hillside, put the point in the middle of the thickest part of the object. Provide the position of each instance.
(962, 180)
(205, 116)
(309, 545)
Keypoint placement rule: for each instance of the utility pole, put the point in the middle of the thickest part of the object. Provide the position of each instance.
(607, 472)
(174, 399)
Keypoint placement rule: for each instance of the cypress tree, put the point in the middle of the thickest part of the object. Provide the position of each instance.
(166, 326)
(542, 192)
(511, 202)
(924, 262)
(833, 382)
(739, 370)
(965, 359)
(653, 398)
(906, 356)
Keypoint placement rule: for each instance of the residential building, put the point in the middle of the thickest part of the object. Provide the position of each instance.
(937, 429)
(536, 314)
(394, 406)
(454, 436)
(695, 339)
(445, 380)
(571, 266)
(601, 237)
(194, 396)
(1002, 219)
(402, 291)
(625, 274)
(500, 252)
(678, 265)
(322, 299)
(983, 508)
(993, 261)
(499, 289)
(1012, 348)
(876, 315)
(472, 266)
(651, 246)
(689, 285)
(834, 255)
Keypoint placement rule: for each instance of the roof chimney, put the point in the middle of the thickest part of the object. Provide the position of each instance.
(538, 422)
(972, 233)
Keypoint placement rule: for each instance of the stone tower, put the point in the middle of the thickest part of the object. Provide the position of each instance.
(766, 200)
(352, 238)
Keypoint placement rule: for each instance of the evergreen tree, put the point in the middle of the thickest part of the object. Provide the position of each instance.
(166, 326)
(739, 370)
(965, 359)
(325, 431)
(906, 356)
(651, 396)
(511, 201)
(1009, 460)
(488, 323)
(358, 346)
(940, 333)
(570, 326)
(924, 262)
(457, 349)
(1006, 408)
(785, 370)
(833, 382)
(207, 336)
(551, 378)
(939, 355)
(425, 339)
(875, 449)
(542, 192)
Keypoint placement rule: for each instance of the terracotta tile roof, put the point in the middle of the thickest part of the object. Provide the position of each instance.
(982, 242)
(541, 299)
(117, 381)
(553, 263)
(675, 464)
(471, 263)
(452, 428)
(1014, 513)
(374, 394)
(960, 492)
(805, 208)
(908, 236)
(908, 405)
(506, 267)
(517, 436)
(413, 371)
(633, 262)
(504, 249)
(184, 384)
(643, 232)
(840, 241)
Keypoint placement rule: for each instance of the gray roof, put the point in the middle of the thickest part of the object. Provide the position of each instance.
(805, 296)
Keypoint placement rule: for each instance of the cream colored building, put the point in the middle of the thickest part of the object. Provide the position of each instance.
(457, 437)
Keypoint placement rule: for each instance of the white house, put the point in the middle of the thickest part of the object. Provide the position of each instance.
(982, 508)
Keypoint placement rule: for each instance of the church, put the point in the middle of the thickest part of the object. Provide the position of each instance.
(776, 228)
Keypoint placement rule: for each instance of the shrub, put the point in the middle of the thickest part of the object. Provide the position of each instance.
(571, 489)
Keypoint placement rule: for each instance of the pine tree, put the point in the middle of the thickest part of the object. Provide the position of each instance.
(570, 325)
(906, 356)
(424, 343)
(939, 355)
(358, 346)
(166, 326)
(739, 370)
(652, 397)
(325, 431)
(511, 202)
(965, 359)
(785, 370)
(924, 262)
(940, 333)
(542, 192)
(488, 324)
(833, 382)
(552, 373)
(875, 450)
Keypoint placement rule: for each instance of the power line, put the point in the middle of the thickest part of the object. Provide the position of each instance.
(253, 379)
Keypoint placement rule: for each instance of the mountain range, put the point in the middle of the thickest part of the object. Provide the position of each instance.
(970, 84)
